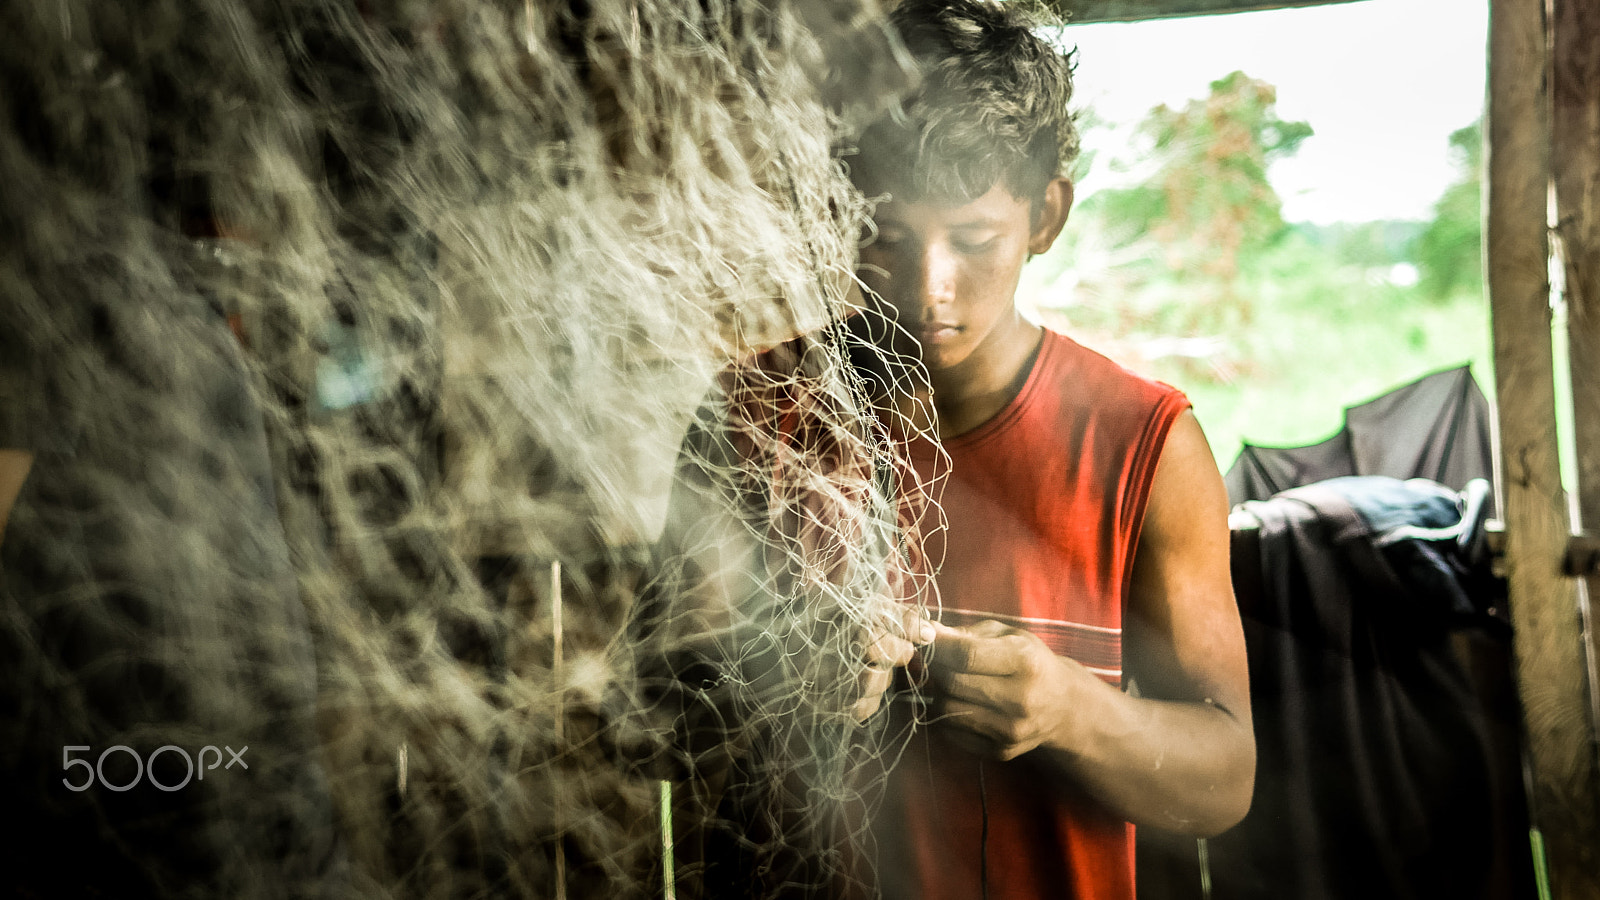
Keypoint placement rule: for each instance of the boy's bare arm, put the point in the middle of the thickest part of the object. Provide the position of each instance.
(1182, 754)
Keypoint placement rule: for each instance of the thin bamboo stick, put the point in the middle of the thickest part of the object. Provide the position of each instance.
(669, 889)
(556, 676)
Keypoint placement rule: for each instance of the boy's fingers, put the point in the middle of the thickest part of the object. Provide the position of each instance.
(982, 732)
(984, 649)
(989, 628)
(895, 643)
(951, 650)
(977, 690)
(872, 683)
(976, 722)
(889, 651)
(917, 626)
(875, 681)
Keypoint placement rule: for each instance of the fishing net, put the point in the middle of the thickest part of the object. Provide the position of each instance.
(449, 473)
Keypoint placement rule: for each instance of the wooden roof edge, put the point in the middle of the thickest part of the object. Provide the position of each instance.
(1083, 12)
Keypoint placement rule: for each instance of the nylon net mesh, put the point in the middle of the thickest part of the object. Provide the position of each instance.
(401, 391)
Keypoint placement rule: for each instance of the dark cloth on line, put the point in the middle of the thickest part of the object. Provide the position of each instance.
(1437, 427)
(1383, 771)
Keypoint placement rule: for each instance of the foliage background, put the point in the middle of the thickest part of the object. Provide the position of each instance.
(1183, 268)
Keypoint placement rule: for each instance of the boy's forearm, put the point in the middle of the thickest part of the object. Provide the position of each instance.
(1182, 766)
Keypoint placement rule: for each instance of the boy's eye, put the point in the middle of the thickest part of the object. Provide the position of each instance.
(969, 246)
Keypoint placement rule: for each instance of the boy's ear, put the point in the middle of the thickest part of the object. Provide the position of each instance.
(1052, 215)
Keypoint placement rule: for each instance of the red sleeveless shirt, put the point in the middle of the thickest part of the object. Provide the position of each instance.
(1043, 505)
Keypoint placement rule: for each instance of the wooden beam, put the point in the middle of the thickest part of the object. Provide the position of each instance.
(1575, 159)
(1551, 676)
(1079, 12)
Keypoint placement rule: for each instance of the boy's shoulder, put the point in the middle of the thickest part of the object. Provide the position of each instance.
(1079, 397)
(1087, 376)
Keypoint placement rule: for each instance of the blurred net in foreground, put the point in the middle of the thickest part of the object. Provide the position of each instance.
(353, 344)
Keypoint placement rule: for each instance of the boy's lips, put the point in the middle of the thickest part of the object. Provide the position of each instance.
(938, 332)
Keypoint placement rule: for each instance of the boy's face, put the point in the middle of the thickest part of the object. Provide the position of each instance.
(950, 271)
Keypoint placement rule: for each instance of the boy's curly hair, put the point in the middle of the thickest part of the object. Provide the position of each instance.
(992, 105)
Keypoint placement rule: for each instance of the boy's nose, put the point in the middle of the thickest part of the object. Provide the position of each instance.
(937, 284)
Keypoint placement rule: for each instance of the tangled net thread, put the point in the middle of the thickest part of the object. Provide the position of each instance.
(355, 344)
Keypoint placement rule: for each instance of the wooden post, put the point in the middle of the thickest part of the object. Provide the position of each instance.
(1550, 666)
(1575, 158)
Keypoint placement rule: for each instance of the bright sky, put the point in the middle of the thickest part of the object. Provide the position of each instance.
(1382, 82)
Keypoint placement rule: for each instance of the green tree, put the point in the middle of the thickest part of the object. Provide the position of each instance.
(1203, 204)
(1449, 250)
(1209, 200)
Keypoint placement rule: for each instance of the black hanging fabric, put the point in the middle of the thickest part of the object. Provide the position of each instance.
(1259, 472)
(1385, 769)
(1437, 427)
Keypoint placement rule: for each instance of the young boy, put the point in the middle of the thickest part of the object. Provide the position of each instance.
(1089, 665)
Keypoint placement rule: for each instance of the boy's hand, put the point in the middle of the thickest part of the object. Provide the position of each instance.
(892, 645)
(1003, 687)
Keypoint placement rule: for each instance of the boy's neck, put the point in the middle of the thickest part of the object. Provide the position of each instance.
(975, 390)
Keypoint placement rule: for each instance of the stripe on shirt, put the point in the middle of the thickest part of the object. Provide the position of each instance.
(1095, 647)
